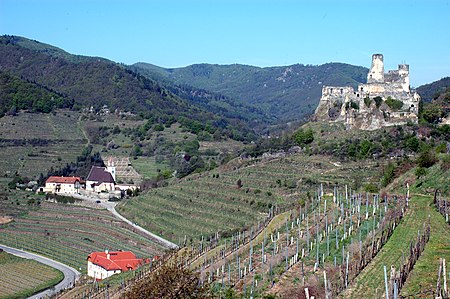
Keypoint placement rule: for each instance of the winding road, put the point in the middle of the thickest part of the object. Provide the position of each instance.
(110, 206)
(70, 274)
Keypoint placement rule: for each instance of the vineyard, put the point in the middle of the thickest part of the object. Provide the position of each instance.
(33, 143)
(232, 197)
(424, 274)
(21, 277)
(338, 234)
(68, 233)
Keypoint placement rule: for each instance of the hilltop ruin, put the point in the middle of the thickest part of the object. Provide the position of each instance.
(385, 100)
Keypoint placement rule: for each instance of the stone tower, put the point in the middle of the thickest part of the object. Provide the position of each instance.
(403, 72)
(376, 73)
(111, 168)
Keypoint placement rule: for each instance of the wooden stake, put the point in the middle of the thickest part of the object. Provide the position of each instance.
(386, 283)
(445, 278)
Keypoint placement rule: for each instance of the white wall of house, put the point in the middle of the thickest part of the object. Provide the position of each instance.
(62, 188)
(98, 272)
(105, 187)
(89, 185)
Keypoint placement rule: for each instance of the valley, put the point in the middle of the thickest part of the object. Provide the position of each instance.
(226, 162)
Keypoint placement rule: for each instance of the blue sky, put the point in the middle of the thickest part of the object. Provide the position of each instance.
(174, 33)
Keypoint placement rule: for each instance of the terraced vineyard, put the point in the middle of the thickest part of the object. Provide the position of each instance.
(21, 278)
(233, 197)
(424, 274)
(322, 235)
(370, 283)
(33, 143)
(69, 233)
(147, 167)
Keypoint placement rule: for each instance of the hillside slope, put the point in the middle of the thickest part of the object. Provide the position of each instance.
(18, 94)
(285, 92)
(432, 90)
(90, 81)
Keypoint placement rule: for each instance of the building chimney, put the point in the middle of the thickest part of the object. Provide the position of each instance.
(107, 254)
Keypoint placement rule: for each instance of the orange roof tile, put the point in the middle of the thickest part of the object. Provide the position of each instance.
(117, 260)
(63, 179)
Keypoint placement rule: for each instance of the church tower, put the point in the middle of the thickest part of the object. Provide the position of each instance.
(376, 72)
(111, 168)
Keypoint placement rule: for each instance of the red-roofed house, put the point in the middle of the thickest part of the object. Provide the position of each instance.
(61, 184)
(104, 264)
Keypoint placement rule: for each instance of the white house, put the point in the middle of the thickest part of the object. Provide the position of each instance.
(60, 184)
(104, 264)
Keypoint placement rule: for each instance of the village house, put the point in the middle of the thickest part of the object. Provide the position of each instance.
(101, 181)
(104, 264)
(59, 184)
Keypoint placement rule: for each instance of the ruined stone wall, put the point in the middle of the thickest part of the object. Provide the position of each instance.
(358, 108)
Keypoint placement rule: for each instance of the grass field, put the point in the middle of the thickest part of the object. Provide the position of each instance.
(370, 283)
(21, 278)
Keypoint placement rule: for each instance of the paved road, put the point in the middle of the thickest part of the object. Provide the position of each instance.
(110, 206)
(158, 238)
(70, 274)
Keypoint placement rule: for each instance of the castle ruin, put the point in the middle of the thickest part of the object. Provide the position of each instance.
(385, 100)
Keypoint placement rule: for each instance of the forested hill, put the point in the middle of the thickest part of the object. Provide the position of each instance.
(286, 92)
(432, 90)
(91, 81)
(19, 94)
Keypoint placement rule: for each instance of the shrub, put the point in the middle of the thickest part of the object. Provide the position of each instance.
(427, 159)
(352, 105)
(431, 113)
(441, 148)
(394, 104)
(302, 137)
(371, 188)
(420, 171)
(412, 143)
(367, 101)
(158, 127)
(388, 174)
(378, 100)
(445, 162)
(170, 276)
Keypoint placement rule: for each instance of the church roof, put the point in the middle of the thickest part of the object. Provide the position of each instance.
(100, 175)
